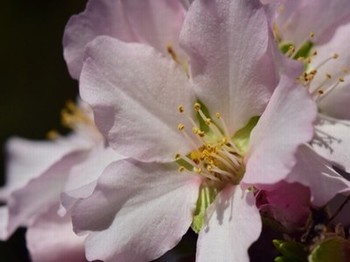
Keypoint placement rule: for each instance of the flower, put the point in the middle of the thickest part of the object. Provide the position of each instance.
(319, 42)
(156, 23)
(211, 137)
(39, 172)
(288, 204)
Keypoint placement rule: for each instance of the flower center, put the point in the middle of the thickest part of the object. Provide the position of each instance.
(218, 161)
(318, 84)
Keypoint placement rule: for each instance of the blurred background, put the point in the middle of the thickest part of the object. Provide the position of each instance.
(35, 83)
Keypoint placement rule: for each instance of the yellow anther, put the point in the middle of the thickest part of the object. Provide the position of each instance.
(52, 134)
(341, 79)
(197, 106)
(345, 70)
(218, 115)
(209, 168)
(195, 130)
(314, 53)
(320, 92)
(335, 56)
(172, 53)
(224, 140)
(329, 76)
(177, 157)
(181, 108)
(181, 126)
(201, 133)
(181, 169)
(312, 35)
(207, 121)
(198, 170)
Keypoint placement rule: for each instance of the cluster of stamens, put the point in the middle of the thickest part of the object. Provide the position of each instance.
(330, 81)
(214, 156)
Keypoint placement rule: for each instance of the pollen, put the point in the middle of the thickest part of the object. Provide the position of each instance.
(72, 115)
(180, 127)
(197, 106)
(214, 156)
(181, 108)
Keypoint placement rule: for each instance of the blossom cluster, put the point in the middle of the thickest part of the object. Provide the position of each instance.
(221, 117)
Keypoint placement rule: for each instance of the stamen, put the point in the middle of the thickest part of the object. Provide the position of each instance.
(326, 92)
(181, 109)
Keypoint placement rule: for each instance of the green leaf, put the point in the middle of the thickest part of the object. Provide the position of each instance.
(241, 137)
(205, 198)
(335, 249)
(290, 250)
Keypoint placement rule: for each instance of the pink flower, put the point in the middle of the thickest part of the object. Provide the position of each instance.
(156, 23)
(184, 150)
(39, 172)
(288, 204)
(316, 32)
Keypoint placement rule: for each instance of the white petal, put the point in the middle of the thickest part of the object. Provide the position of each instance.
(135, 93)
(234, 225)
(143, 207)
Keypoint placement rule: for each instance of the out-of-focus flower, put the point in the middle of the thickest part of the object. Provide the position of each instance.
(288, 204)
(39, 172)
(313, 32)
(200, 145)
(156, 23)
(316, 32)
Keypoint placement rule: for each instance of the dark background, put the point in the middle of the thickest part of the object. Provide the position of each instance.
(34, 80)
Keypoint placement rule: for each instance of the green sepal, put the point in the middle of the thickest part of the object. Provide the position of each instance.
(304, 51)
(205, 198)
(242, 137)
(336, 249)
(290, 250)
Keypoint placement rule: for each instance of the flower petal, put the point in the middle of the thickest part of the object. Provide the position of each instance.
(316, 173)
(298, 18)
(4, 218)
(336, 102)
(156, 23)
(51, 239)
(28, 202)
(234, 224)
(135, 205)
(286, 123)
(332, 141)
(228, 44)
(29, 159)
(83, 176)
(135, 93)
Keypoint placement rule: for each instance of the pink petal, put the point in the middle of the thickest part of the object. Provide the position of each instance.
(138, 211)
(289, 204)
(234, 224)
(4, 217)
(83, 177)
(29, 159)
(51, 239)
(28, 202)
(333, 142)
(230, 57)
(299, 18)
(336, 102)
(286, 123)
(135, 93)
(156, 23)
(316, 173)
